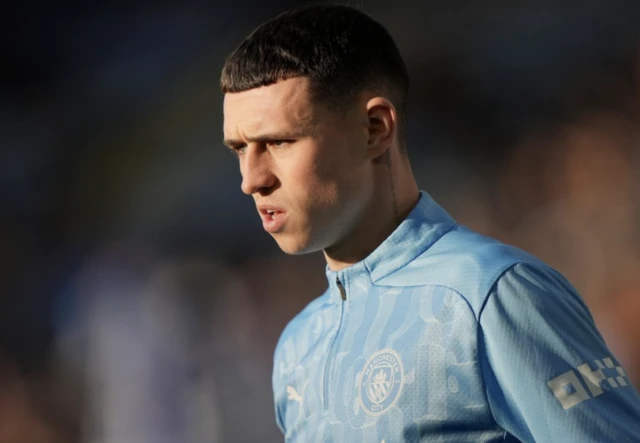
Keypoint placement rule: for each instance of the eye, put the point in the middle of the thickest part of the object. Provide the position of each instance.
(278, 143)
(237, 149)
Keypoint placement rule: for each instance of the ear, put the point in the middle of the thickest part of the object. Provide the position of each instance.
(382, 118)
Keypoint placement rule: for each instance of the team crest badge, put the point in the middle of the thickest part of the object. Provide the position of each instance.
(381, 382)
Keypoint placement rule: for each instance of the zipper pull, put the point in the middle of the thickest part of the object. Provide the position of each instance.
(343, 292)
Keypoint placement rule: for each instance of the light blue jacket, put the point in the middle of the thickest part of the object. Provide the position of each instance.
(445, 335)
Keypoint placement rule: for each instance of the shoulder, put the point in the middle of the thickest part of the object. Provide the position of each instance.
(526, 290)
(464, 261)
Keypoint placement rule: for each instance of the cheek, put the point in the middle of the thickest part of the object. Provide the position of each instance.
(317, 189)
(338, 169)
(328, 177)
(314, 178)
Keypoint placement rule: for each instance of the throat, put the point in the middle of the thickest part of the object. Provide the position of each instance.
(367, 236)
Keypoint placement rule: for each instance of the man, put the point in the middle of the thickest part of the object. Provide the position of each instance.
(428, 331)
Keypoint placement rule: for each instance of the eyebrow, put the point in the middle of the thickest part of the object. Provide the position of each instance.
(232, 143)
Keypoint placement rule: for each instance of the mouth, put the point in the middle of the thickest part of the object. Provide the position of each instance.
(273, 218)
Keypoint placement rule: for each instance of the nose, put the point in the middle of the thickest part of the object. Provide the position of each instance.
(257, 174)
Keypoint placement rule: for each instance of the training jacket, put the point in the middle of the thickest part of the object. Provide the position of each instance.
(445, 335)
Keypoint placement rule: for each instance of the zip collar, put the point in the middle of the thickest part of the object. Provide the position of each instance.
(424, 225)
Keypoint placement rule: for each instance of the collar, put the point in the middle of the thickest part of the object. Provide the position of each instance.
(424, 225)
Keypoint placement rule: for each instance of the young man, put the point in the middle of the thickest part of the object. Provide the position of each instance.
(428, 331)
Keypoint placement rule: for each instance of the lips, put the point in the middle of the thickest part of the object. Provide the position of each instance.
(273, 217)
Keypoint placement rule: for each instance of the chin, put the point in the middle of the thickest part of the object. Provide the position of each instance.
(292, 246)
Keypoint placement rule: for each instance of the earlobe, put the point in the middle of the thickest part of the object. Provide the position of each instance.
(382, 125)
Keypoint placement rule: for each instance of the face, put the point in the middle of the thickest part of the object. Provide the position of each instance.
(305, 165)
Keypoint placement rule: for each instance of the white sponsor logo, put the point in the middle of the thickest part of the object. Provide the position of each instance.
(570, 391)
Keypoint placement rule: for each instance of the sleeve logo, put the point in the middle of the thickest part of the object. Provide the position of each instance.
(570, 391)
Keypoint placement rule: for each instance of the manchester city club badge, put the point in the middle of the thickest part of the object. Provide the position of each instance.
(380, 382)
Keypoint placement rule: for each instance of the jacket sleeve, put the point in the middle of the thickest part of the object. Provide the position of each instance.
(549, 376)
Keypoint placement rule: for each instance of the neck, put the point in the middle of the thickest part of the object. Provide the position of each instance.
(395, 196)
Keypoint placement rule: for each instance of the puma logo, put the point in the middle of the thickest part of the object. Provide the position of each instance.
(293, 394)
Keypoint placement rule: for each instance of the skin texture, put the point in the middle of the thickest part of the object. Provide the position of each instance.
(339, 176)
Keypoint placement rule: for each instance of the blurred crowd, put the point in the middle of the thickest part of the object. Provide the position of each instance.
(141, 300)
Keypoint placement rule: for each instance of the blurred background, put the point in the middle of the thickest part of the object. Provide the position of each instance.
(140, 298)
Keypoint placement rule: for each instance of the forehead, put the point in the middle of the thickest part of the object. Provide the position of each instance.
(286, 104)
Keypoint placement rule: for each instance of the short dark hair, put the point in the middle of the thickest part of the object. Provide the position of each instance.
(342, 50)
